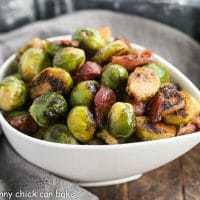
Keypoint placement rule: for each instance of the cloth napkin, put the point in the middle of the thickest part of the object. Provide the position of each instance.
(176, 47)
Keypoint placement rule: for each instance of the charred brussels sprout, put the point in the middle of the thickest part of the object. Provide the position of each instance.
(59, 133)
(33, 61)
(22, 121)
(89, 38)
(185, 115)
(143, 83)
(69, 58)
(115, 48)
(51, 79)
(161, 71)
(153, 131)
(107, 137)
(13, 93)
(48, 107)
(114, 76)
(121, 120)
(81, 123)
(83, 93)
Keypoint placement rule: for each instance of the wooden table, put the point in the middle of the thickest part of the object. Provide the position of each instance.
(178, 180)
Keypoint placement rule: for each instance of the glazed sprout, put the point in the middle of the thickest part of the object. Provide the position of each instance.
(153, 131)
(59, 133)
(121, 120)
(115, 48)
(107, 137)
(143, 83)
(114, 76)
(81, 123)
(161, 71)
(13, 93)
(47, 108)
(22, 121)
(69, 58)
(89, 38)
(51, 79)
(186, 114)
(83, 93)
(32, 61)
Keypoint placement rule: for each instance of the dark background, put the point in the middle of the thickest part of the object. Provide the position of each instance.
(182, 14)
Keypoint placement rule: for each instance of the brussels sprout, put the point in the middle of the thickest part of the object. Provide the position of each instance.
(161, 71)
(143, 83)
(83, 93)
(22, 121)
(13, 93)
(47, 108)
(33, 61)
(121, 120)
(185, 115)
(107, 137)
(69, 58)
(114, 76)
(153, 131)
(52, 47)
(59, 133)
(81, 123)
(115, 48)
(51, 79)
(89, 38)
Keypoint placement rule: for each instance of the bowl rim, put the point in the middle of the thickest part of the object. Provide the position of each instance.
(169, 66)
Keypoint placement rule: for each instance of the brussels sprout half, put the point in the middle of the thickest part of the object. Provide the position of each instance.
(153, 131)
(81, 123)
(121, 120)
(59, 133)
(32, 61)
(13, 93)
(89, 38)
(51, 79)
(47, 108)
(69, 58)
(114, 76)
(83, 93)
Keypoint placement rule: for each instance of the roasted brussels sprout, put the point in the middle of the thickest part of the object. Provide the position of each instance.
(89, 38)
(13, 93)
(143, 83)
(107, 137)
(48, 107)
(104, 99)
(121, 120)
(51, 79)
(115, 48)
(89, 71)
(59, 133)
(184, 115)
(32, 61)
(131, 61)
(114, 76)
(69, 58)
(81, 123)
(161, 71)
(153, 131)
(83, 93)
(22, 121)
(168, 100)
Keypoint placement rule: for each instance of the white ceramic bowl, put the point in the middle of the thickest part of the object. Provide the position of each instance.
(91, 165)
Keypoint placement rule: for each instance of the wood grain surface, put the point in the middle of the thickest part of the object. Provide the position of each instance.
(178, 180)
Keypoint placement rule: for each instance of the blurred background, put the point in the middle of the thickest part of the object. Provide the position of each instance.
(181, 14)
